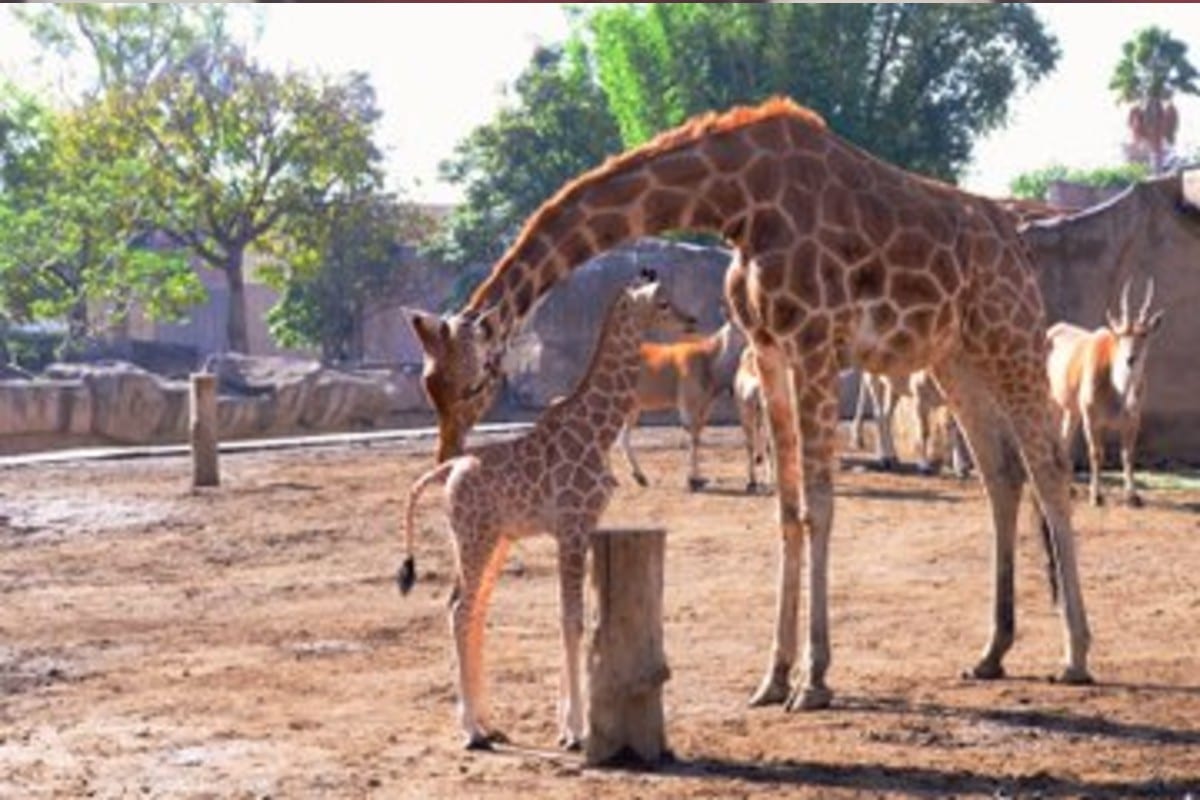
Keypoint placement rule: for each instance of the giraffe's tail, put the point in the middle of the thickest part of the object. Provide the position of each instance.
(407, 575)
(1042, 525)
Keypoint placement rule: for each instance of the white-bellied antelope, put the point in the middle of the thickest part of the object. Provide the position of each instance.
(1099, 378)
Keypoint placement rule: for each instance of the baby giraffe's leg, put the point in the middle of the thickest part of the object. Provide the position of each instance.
(480, 558)
(572, 555)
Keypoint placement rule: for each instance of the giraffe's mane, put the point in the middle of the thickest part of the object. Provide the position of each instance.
(694, 129)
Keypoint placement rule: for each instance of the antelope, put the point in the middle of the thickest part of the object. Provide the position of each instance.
(1098, 378)
(884, 393)
(687, 376)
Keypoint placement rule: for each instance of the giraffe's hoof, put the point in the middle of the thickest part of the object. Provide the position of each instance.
(1098, 500)
(570, 743)
(696, 484)
(810, 698)
(772, 692)
(640, 479)
(479, 741)
(1074, 676)
(888, 464)
(751, 487)
(985, 670)
(1134, 500)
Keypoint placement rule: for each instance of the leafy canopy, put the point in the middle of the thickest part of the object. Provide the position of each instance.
(1153, 66)
(915, 84)
(555, 125)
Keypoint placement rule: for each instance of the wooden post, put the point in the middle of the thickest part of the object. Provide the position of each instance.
(626, 664)
(203, 430)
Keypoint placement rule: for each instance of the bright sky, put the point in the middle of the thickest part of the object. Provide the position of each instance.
(439, 69)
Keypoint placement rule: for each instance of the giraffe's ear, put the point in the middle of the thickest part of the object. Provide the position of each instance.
(431, 330)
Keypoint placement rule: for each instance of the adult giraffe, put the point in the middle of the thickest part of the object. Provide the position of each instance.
(844, 260)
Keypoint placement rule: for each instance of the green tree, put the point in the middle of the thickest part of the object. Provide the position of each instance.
(1034, 185)
(352, 254)
(73, 230)
(1153, 67)
(129, 43)
(238, 151)
(555, 125)
(913, 83)
(233, 152)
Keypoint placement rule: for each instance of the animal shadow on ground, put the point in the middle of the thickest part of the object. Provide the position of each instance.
(930, 781)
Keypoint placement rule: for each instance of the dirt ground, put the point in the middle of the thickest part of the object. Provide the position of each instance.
(248, 641)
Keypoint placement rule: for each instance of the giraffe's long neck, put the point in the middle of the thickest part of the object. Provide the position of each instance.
(606, 394)
(719, 174)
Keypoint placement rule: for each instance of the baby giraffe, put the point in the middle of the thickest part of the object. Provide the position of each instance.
(554, 479)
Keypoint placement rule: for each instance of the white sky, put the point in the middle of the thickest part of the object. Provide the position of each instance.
(439, 68)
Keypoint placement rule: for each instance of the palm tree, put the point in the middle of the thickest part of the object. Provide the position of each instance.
(1153, 67)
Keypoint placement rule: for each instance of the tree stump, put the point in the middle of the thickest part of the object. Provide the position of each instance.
(202, 425)
(626, 664)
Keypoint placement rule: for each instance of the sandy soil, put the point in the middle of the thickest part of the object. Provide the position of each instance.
(249, 641)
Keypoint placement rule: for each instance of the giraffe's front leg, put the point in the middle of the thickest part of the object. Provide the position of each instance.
(776, 396)
(572, 557)
(817, 396)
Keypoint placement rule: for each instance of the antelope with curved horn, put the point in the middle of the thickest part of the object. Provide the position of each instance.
(1099, 378)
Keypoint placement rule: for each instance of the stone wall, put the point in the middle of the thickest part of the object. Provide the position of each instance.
(120, 403)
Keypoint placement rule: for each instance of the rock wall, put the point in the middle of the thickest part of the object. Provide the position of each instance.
(121, 403)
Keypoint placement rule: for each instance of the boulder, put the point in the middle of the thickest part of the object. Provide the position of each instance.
(45, 406)
(128, 403)
(551, 355)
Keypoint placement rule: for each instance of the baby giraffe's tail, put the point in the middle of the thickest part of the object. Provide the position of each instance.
(407, 575)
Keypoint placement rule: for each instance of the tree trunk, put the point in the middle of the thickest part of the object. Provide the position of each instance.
(626, 663)
(238, 340)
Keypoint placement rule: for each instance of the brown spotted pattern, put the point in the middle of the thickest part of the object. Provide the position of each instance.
(843, 260)
(554, 479)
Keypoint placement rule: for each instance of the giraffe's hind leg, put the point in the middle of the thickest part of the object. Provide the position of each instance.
(1018, 386)
(480, 559)
(999, 465)
(572, 555)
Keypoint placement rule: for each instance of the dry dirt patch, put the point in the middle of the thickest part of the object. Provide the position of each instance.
(248, 641)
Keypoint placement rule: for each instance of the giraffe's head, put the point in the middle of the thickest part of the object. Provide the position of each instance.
(462, 372)
(1132, 338)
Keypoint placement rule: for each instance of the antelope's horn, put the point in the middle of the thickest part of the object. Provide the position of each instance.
(1144, 314)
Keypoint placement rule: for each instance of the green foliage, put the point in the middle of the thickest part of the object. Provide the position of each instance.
(555, 125)
(214, 151)
(1153, 66)
(1034, 185)
(72, 229)
(913, 83)
(350, 255)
